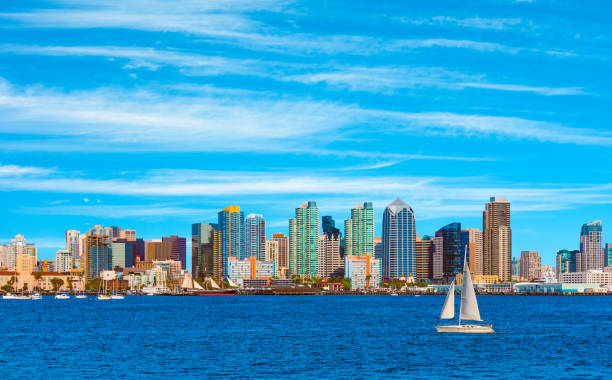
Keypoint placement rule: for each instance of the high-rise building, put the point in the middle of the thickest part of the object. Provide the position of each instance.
(516, 268)
(73, 243)
(255, 236)
(437, 261)
(497, 239)
(364, 271)
(452, 252)
(16, 247)
(303, 240)
(398, 238)
(378, 248)
(178, 249)
(231, 227)
(122, 253)
(472, 239)
(99, 254)
(331, 263)
(328, 225)
(4, 256)
(591, 247)
(271, 252)
(63, 260)
(567, 261)
(608, 255)
(530, 265)
(424, 258)
(359, 231)
(282, 261)
(202, 250)
(129, 235)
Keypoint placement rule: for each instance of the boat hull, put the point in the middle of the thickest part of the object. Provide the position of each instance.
(466, 329)
(221, 292)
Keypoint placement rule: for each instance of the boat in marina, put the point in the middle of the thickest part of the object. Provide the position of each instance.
(36, 296)
(63, 296)
(11, 296)
(468, 308)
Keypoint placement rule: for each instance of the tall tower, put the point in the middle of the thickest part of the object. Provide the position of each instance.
(255, 236)
(591, 247)
(497, 238)
(472, 239)
(452, 251)
(202, 250)
(73, 242)
(231, 227)
(303, 240)
(530, 265)
(359, 231)
(282, 263)
(399, 238)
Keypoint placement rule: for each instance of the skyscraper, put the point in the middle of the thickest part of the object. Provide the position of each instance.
(17, 247)
(331, 263)
(452, 253)
(255, 236)
(73, 243)
(328, 225)
(231, 227)
(399, 238)
(472, 238)
(424, 258)
(4, 256)
(566, 261)
(591, 247)
(530, 265)
(98, 256)
(178, 249)
(497, 239)
(303, 240)
(202, 250)
(359, 231)
(63, 260)
(282, 263)
(608, 255)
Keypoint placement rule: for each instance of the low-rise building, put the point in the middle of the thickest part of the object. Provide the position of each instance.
(364, 271)
(250, 269)
(592, 276)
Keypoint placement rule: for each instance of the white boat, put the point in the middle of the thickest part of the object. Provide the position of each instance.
(36, 296)
(10, 296)
(104, 297)
(394, 294)
(80, 296)
(468, 308)
(117, 296)
(62, 296)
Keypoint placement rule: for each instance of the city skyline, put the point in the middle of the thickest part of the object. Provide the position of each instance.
(121, 115)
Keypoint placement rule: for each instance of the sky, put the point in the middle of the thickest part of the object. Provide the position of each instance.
(153, 115)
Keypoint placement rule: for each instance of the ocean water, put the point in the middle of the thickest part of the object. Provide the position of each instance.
(310, 337)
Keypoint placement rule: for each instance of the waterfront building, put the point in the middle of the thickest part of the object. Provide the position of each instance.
(231, 228)
(424, 258)
(250, 269)
(452, 254)
(608, 255)
(98, 256)
(255, 236)
(497, 239)
(591, 247)
(202, 250)
(63, 260)
(364, 271)
(303, 241)
(282, 258)
(271, 251)
(177, 249)
(399, 241)
(547, 272)
(530, 265)
(597, 276)
(46, 266)
(359, 231)
(330, 259)
(25, 263)
(28, 280)
(4, 257)
(73, 243)
(472, 239)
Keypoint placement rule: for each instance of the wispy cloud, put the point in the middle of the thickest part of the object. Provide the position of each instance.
(500, 23)
(18, 171)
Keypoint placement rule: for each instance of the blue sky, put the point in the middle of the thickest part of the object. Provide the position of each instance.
(153, 115)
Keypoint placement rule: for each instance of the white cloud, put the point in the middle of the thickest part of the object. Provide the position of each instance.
(16, 170)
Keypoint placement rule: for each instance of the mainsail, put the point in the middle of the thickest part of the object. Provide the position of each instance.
(469, 307)
(448, 310)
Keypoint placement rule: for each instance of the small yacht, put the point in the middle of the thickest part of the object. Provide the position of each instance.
(468, 308)
(117, 296)
(36, 296)
(62, 296)
(104, 297)
(81, 296)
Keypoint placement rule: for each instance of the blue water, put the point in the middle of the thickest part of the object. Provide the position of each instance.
(302, 337)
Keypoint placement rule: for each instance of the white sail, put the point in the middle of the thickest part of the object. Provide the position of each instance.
(214, 284)
(448, 310)
(469, 307)
(231, 283)
(196, 285)
(187, 283)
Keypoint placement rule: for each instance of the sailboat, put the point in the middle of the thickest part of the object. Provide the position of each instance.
(102, 292)
(468, 309)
